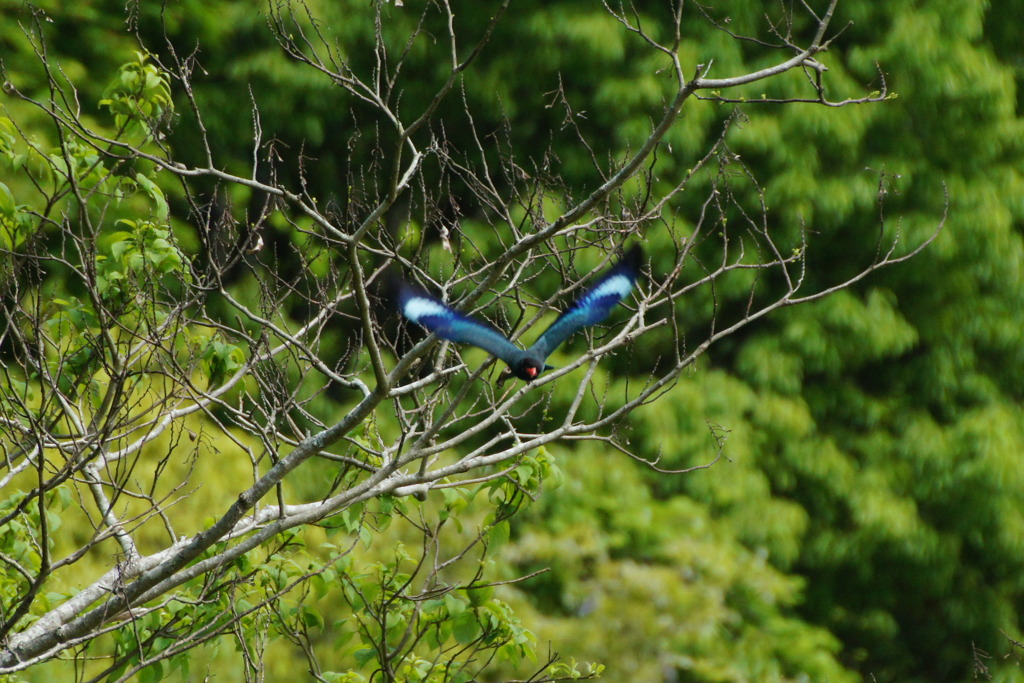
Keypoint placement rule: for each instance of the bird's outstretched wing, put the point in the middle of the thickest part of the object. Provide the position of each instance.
(433, 314)
(595, 305)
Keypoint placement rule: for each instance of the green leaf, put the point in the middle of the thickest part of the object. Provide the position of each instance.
(465, 628)
(156, 194)
(364, 655)
(152, 673)
(311, 618)
(498, 536)
(7, 205)
(454, 604)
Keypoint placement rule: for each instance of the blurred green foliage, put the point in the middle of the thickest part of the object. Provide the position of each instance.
(867, 518)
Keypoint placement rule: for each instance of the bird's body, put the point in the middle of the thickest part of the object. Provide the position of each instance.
(527, 364)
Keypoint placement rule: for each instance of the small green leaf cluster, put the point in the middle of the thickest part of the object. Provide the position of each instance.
(139, 99)
(16, 220)
(139, 258)
(396, 610)
(24, 544)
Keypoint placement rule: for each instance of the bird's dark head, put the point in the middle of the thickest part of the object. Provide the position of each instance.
(527, 368)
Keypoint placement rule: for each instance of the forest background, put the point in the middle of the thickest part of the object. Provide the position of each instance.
(863, 518)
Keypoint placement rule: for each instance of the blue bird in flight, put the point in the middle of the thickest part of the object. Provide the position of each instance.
(589, 309)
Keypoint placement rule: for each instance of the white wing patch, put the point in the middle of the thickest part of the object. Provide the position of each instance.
(418, 307)
(618, 286)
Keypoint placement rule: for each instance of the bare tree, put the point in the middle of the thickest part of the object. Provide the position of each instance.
(163, 356)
